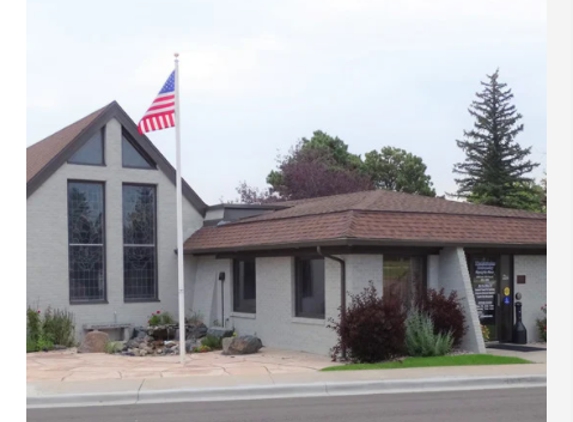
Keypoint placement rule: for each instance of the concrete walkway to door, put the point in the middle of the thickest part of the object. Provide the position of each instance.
(536, 356)
(71, 366)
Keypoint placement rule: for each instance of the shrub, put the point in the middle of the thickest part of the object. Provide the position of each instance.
(33, 326)
(201, 349)
(44, 331)
(542, 324)
(374, 329)
(112, 347)
(446, 313)
(421, 338)
(158, 318)
(212, 342)
(58, 327)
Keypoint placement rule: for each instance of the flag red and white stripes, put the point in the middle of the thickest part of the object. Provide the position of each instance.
(161, 114)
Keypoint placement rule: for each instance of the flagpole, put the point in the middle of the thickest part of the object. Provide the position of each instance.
(180, 278)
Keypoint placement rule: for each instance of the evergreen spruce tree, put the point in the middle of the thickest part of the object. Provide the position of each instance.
(495, 166)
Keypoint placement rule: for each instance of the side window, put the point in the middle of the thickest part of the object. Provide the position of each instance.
(309, 288)
(244, 286)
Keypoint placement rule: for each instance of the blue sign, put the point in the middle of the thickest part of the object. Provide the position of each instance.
(506, 300)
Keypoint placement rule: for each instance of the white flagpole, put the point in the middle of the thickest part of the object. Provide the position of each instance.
(179, 218)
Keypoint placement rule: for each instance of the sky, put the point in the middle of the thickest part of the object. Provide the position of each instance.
(258, 75)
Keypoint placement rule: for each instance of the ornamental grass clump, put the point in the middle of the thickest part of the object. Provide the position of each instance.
(53, 327)
(446, 313)
(421, 338)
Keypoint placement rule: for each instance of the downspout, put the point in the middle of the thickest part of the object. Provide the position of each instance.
(342, 295)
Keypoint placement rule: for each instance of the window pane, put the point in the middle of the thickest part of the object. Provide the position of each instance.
(139, 252)
(138, 215)
(86, 241)
(403, 276)
(91, 152)
(244, 286)
(309, 288)
(131, 157)
(139, 272)
(85, 213)
(86, 271)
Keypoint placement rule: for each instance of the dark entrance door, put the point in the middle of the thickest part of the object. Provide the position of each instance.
(492, 284)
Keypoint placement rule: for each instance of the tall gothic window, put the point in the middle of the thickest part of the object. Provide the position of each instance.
(139, 243)
(86, 239)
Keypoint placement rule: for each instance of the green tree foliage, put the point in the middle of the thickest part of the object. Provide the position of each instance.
(322, 165)
(398, 170)
(494, 169)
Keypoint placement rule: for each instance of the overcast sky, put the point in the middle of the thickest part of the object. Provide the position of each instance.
(257, 75)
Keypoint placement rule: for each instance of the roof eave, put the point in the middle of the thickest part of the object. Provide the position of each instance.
(363, 242)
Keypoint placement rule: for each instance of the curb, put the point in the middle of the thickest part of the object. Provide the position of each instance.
(279, 391)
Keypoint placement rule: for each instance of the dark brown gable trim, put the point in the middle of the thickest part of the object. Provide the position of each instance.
(69, 150)
(114, 110)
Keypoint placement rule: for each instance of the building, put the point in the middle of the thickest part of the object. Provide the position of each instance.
(102, 235)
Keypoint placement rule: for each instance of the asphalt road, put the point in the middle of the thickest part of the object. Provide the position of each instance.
(519, 405)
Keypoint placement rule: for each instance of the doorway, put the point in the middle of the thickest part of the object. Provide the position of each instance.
(491, 277)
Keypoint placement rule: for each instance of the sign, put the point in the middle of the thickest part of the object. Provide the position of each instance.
(484, 284)
(506, 300)
(506, 291)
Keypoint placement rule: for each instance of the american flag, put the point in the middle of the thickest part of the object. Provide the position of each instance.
(161, 114)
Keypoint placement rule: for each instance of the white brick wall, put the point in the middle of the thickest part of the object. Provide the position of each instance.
(433, 272)
(534, 291)
(454, 275)
(274, 321)
(360, 270)
(47, 239)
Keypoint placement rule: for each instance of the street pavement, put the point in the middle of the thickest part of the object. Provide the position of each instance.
(508, 405)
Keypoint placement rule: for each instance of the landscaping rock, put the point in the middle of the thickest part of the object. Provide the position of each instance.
(226, 342)
(244, 345)
(219, 332)
(191, 344)
(197, 331)
(134, 342)
(139, 332)
(94, 342)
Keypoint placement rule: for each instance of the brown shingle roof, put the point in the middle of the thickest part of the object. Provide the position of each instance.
(385, 200)
(378, 216)
(41, 153)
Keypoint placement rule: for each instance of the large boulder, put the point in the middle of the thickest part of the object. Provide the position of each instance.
(219, 332)
(226, 343)
(94, 342)
(197, 330)
(243, 345)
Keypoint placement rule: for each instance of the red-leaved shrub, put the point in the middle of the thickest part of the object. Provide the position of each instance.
(374, 329)
(446, 313)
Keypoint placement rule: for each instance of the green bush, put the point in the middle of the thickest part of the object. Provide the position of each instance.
(33, 326)
(214, 343)
(112, 347)
(422, 340)
(159, 318)
(58, 327)
(44, 331)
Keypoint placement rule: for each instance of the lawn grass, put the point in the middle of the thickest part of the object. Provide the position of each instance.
(457, 360)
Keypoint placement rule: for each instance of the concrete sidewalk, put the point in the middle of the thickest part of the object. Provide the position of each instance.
(69, 366)
(236, 387)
